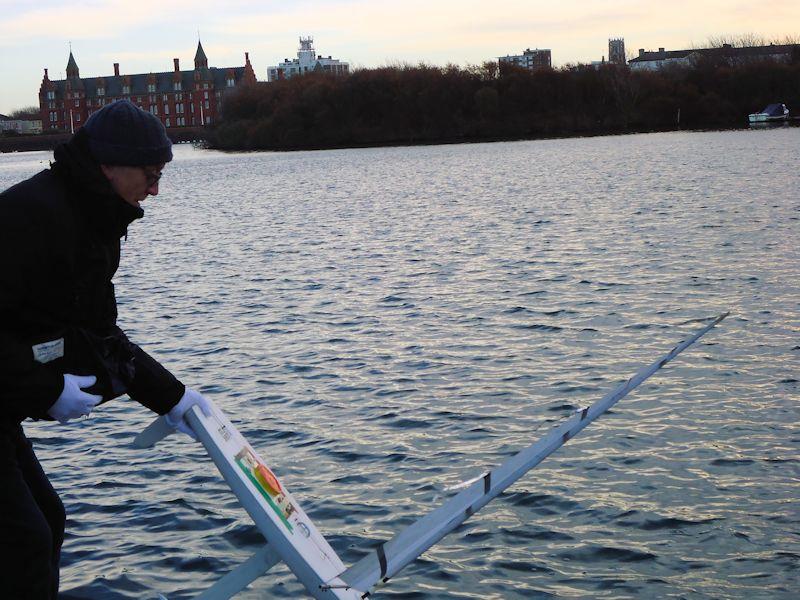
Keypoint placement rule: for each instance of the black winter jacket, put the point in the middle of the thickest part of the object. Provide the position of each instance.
(59, 249)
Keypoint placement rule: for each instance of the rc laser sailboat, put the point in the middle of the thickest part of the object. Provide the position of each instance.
(292, 537)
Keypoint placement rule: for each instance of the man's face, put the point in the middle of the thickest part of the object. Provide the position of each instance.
(133, 184)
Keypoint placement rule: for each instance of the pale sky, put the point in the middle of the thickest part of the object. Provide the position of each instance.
(145, 35)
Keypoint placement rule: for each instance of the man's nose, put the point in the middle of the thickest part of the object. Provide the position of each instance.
(153, 190)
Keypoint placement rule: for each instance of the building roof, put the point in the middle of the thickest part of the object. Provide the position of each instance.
(164, 82)
(661, 55)
(4, 118)
(726, 50)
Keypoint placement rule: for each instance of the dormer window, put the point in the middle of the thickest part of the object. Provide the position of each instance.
(178, 87)
(51, 95)
(230, 82)
(101, 91)
(126, 89)
(151, 87)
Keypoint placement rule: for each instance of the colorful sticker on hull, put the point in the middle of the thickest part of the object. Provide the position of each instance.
(267, 484)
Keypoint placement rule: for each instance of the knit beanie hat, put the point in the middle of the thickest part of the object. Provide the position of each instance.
(121, 133)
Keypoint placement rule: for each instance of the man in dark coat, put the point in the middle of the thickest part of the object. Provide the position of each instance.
(61, 352)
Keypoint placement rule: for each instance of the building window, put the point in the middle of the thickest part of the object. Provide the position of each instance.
(206, 104)
(151, 87)
(208, 120)
(51, 104)
(139, 100)
(152, 99)
(51, 95)
(126, 89)
(205, 95)
(178, 96)
(230, 82)
(205, 86)
(52, 117)
(166, 109)
(154, 109)
(179, 108)
(101, 91)
(177, 86)
(77, 116)
(164, 98)
(77, 102)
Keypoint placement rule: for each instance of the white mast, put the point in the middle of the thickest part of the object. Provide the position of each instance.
(403, 548)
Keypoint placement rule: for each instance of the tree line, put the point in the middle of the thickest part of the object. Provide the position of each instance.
(428, 104)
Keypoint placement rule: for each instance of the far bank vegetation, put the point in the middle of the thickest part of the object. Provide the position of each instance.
(428, 104)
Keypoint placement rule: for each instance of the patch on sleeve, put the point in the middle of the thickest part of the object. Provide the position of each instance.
(47, 351)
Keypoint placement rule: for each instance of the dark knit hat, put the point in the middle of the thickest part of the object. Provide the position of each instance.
(121, 133)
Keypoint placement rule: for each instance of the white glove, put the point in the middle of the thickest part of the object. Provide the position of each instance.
(73, 401)
(189, 399)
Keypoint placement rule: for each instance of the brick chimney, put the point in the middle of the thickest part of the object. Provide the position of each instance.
(116, 69)
(177, 64)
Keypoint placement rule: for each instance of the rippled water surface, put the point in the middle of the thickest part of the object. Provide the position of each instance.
(384, 323)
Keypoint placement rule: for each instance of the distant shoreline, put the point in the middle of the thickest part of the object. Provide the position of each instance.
(491, 140)
(431, 105)
(48, 141)
(38, 143)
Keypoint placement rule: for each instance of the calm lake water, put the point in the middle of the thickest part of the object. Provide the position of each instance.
(384, 323)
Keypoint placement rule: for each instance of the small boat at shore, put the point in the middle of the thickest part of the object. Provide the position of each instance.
(772, 113)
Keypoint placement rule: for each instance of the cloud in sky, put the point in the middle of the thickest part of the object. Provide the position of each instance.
(144, 36)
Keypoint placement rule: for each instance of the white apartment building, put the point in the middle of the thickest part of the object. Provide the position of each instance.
(307, 61)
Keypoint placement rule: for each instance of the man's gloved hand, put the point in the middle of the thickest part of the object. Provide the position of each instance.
(73, 401)
(175, 416)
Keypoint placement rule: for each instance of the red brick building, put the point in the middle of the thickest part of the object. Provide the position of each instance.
(179, 98)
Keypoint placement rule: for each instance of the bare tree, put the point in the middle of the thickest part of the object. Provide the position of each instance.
(29, 113)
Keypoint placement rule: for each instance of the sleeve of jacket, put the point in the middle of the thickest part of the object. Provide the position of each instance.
(153, 385)
(27, 388)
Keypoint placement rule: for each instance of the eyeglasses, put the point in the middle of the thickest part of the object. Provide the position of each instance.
(152, 177)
